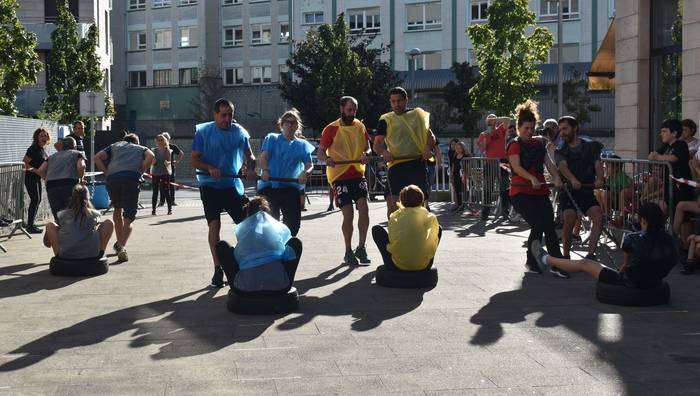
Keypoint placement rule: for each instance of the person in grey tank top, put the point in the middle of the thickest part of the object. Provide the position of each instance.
(160, 172)
(62, 171)
(127, 162)
(81, 233)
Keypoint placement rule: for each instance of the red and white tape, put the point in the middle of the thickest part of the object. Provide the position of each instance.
(687, 182)
(150, 176)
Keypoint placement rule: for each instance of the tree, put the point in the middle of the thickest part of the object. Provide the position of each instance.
(507, 57)
(440, 116)
(456, 95)
(73, 67)
(331, 63)
(19, 63)
(576, 99)
(210, 90)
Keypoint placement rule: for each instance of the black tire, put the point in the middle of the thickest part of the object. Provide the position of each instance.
(79, 267)
(633, 297)
(263, 305)
(407, 279)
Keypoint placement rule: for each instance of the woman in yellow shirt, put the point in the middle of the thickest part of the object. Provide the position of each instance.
(413, 237)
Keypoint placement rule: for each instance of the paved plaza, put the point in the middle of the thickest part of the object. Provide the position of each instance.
(152, 327)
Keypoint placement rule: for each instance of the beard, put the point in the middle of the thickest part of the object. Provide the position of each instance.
(347, 120)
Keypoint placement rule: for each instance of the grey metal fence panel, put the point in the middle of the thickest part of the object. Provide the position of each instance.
(11, 198)
(16, 136)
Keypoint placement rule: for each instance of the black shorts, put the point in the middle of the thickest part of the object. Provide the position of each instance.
(348, 191)
(584, 199)
(407, 173)
(124, 194)
(217, 200)
(611, 277)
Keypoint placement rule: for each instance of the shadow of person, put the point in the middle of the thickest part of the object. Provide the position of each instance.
(18, 284)
(368, 304)
(180, 326)
(177, 220)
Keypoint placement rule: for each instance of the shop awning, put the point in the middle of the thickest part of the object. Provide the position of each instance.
(601, 76)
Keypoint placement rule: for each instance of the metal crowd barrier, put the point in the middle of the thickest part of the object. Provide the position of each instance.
(628, 184)
(12, 198)
(483, 181)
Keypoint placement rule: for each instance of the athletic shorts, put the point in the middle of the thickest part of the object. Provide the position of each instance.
(430, 168)
(407, 173)
(124, 194)
(348, 191)
(610, 276)
(584, 199)
(217, 200)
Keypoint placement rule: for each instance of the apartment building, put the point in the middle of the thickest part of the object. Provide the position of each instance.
(39, 16)
(163, 45)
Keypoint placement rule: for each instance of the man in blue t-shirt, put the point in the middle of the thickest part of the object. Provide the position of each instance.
(285, 156)
(127, 162)
(218, 150)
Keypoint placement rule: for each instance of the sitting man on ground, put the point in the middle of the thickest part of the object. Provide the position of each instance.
(413, 237)
(80, 234)
(690, 262)
(266, 258)
(649, 255)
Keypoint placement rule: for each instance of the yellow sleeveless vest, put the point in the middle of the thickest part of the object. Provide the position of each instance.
(348, 144)
(406, 134)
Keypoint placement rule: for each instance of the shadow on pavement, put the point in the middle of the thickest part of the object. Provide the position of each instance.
(180, 326)
(21, 284)
(649, 347)
(178, 220)
(367, 303)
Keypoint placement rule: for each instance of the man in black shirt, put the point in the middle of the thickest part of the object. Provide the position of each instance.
(78, 135)
(675, 151)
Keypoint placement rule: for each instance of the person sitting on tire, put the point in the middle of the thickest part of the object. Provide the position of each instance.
(649, 255)
(413, 237)
(80, 234)
(266, 257)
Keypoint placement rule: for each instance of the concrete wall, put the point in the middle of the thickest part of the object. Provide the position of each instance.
(691, 60)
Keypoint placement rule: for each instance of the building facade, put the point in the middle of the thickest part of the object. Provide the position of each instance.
(39, 16)
(166, 47)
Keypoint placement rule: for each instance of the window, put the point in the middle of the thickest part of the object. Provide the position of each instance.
(161, 77)
(137, 40)
(284, 70)
(260, 34)
(570, 53)
(313, 18)
(227, 2)
(161, 3)
(549, 11)
(188, 76)
(233, 76)
(428, 61)
(364, 20)
(480, 10)
(162, 38)
(611, 8)
(188, 2)
(137, 79)
(188, 37)
(233, 36)
(137, 4)
(284, 32)
(261, 74)
(423, 16)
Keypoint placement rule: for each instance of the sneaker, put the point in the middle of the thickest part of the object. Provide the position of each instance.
(591, 256)
(559, 273)
(350, 258)
(153, 212)
(161, 204)
(576, 238)
(217, 281)
(485, 213)
(304, 209)
(361, 255)
(688, 267)
(32, 229)
(532, 267)
(538, 252)
(122, 256)
(117, 248)
(174, 204)
(330, 208)
(170, 212)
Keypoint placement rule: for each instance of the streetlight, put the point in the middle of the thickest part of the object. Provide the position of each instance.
(560, 62)
(413, 53)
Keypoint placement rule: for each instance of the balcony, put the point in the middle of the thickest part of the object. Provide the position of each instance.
(43, 27)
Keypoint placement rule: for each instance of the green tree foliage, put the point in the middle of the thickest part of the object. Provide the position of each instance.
(576, 98)
(507, 57)
(19, 63)
(73, 67)
(456, 95)
(331, 63)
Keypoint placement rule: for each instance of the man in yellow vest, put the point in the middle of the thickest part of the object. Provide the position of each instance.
(405, 142)
(346, 139)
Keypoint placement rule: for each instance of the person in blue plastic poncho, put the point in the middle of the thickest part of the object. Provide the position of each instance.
(267, 255)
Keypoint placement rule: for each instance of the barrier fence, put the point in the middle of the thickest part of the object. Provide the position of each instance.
(11, 198)
(483, 182)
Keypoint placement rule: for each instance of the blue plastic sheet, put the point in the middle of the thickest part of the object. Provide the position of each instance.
(260, 240)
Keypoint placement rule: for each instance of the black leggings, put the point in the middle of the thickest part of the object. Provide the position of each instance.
(537, 212)
(285, 200)
(381, 238)
(457, 187)
(230, 266)
(33, 185)
(161, 183)
(172, 189)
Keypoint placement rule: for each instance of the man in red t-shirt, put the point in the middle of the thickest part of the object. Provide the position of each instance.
(492, 143)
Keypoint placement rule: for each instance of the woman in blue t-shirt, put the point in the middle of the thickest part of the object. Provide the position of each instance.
(285, 156)
(266, 257)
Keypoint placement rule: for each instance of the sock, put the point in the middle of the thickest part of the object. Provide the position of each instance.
(544, 258)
